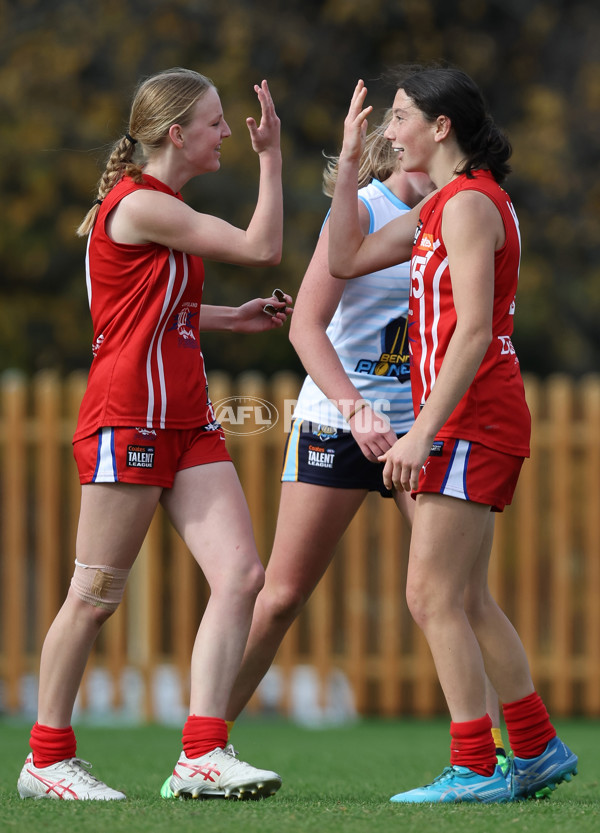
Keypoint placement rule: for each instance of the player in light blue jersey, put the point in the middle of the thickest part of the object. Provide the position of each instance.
(351, 338)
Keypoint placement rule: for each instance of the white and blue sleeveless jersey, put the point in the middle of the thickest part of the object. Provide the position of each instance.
(369, 333)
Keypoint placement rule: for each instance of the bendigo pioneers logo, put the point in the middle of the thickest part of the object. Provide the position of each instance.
(394, 358)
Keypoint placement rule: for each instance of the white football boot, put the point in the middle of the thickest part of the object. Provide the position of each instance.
(68, 780)
(220, 774)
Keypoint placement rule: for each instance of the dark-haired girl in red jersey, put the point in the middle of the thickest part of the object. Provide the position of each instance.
(462, 457)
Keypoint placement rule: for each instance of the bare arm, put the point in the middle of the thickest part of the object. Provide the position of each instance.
(352, 252)
(317, 301)
(248, 318)
(154, 217)
(472, 229)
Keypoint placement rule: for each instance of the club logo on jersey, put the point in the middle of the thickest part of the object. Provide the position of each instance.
(97, 344)
(212, 426)
(325, 432)
(183, 322)
(394, 358)
(146, 432)
(140, 456)
(320, 457)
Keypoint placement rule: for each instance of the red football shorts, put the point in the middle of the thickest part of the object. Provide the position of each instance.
(470, 471)
(148, 456)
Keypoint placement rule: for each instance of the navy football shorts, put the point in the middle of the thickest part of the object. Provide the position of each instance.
(326, 456)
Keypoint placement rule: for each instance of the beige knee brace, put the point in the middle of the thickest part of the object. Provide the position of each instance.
(100, 586)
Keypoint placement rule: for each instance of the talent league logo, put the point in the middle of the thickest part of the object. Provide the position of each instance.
(140, 456)
(243, 415)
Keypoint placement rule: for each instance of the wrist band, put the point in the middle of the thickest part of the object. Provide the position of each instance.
(358, 408)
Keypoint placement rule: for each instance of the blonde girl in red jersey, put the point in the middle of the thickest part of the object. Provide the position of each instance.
(462, 457)
(146, 433)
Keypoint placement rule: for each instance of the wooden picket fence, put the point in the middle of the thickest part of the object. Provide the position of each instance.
(545, 569)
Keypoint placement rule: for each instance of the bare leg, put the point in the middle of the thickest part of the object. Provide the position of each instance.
(502, 650)
(450, 550)
(310, 523)
(113, 521)
(446, 539)
(492, 705)
(209, 510)
(406, 505)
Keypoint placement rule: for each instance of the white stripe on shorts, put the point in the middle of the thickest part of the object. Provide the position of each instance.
(455, 482)
(106, 464)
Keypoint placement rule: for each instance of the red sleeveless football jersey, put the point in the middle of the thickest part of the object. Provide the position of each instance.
(147, 368)
(493, 411)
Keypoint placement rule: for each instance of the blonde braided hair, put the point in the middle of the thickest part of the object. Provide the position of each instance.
(160, 101)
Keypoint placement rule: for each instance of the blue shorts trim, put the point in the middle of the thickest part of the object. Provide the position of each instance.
(470, 471)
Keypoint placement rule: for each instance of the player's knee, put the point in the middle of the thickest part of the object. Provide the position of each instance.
(416, 608)
(242, 582)
(100, 586)
(283, 603)
(256, 579)
(419, 603)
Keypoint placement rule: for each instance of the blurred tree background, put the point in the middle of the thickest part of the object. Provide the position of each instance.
(68, 71)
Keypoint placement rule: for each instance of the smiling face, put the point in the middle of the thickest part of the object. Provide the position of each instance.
(410, 134)
(202, 137)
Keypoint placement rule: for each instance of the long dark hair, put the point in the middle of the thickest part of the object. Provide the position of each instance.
(447, 91)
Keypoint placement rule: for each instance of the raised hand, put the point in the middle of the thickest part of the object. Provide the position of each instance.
(266, 135)
(355, 123)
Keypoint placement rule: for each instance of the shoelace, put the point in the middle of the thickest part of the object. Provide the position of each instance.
(229, 750)
(81, 768)
(447, 772)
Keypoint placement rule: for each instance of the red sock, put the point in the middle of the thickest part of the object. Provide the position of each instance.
(472, 745)
(49, 746)
(203, 734)
(528, 726)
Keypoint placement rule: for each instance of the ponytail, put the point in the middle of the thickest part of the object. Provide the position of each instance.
(120, 162)
(488, 148)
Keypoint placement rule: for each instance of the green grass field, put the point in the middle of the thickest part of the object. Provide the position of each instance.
(333, 780)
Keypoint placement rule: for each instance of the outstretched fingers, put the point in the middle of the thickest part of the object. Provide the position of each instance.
(266, 135)
(355, 123)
